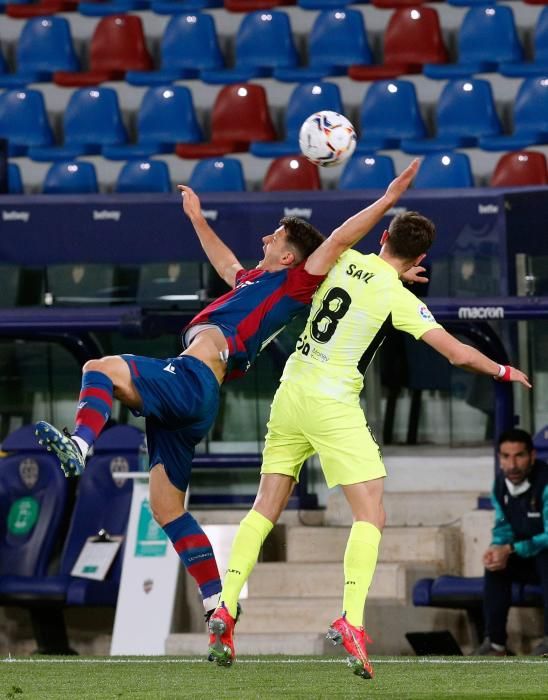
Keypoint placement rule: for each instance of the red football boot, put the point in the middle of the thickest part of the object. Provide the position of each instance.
(354, 640)
(221, 637)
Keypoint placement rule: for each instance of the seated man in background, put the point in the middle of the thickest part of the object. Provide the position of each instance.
(519, 548)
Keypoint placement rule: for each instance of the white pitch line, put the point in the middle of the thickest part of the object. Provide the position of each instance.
(420, 660)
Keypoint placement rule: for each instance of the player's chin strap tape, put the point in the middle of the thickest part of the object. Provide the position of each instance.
(504, 373)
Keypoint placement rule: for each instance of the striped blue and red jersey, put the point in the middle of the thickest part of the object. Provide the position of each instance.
(259, 307)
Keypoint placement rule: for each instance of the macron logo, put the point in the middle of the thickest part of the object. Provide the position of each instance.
(169, 368)
(82, 405)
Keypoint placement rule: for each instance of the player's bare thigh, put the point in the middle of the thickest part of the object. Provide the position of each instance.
(118, 372)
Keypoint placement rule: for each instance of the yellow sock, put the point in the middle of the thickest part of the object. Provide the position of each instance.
(360, 560)
(253, 531)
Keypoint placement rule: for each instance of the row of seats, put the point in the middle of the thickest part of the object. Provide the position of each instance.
(94, 8)
(265, 47)
(521, 168)
(390, 117)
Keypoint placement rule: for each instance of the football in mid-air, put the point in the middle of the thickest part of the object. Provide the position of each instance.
(327, 138)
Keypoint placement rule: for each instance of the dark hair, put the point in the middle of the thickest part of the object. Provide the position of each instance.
(411, 235)
(301, 235)
(517, 435)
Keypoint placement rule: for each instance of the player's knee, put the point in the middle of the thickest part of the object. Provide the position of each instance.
(164, 513)
(105, 365)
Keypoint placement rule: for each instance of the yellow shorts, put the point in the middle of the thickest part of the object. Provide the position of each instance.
(302, 423)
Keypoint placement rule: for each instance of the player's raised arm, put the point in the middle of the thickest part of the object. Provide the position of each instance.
(220, 256)
(467, 357)
(355, 228)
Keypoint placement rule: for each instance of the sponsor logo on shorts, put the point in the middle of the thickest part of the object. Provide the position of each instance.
(481, 312)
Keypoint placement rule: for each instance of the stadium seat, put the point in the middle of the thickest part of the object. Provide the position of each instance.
(15, 182)
(24, 121)
(539, 66)
(444, 170)
(101, 504)
(304, 101)
(465, 112)
(487, 37)
(239, 116)
(174, 7)
(367, 172)
(325, 4)
(337, 40)
(413, 37)
(264, 42)
(44, 46)
(389, 112)
(118, 44)
(170, 283)
(91, 120)
(529, 119)
(291, 173)
(33, 498)
(253, 5)
(166, 117)
(189, 46)
(520, 169)
(143, 176)
(42, 8)
(103, 8)
(394, 4)
(218, 175)
(70, 177)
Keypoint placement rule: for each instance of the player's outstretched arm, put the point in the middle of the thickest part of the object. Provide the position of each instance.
(467, 357)
(357, 226)
(220, 256)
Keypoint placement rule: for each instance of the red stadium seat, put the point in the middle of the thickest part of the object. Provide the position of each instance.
(118, 44)
(519, 169)
(291, 173)
(413, 37)
(240, 115)
(41, 8)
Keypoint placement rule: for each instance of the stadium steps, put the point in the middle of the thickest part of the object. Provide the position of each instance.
(439, 545)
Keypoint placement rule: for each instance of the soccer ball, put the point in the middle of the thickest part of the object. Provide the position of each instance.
(327, 138)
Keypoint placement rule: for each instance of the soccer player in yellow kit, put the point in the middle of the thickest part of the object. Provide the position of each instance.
(317, 409)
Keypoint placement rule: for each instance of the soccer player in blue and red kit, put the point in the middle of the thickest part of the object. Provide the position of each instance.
(179, 396)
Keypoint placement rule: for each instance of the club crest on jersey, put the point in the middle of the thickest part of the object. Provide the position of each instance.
(424, 312)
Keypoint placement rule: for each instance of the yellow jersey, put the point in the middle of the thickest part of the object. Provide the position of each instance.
(351, 312)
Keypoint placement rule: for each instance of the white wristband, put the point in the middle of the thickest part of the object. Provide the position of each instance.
(502, 370)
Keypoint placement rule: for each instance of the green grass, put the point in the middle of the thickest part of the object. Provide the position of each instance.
(159, 678)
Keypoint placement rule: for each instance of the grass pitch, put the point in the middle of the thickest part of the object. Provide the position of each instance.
(163, 678)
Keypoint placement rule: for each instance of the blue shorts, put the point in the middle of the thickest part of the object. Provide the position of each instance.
(180, 399)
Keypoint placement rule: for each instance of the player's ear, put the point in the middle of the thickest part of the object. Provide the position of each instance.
(384, 237)
(288, 258)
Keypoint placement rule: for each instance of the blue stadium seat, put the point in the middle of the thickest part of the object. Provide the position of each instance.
(71, 177)
(389, 113)
(304, 101)
(173, 7)
(92, 120)
(189, 46)
(487, 37)
(367, 172)
(15, 182)
(166, 117)
(338, 39)
(33, 498)
(444, 170)
(24, 121)
(218, 175)
(101, 503)
(264, 42)
(540, 64)
(143, 176)
(44, 46)
(530, 119)
(465, 112)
